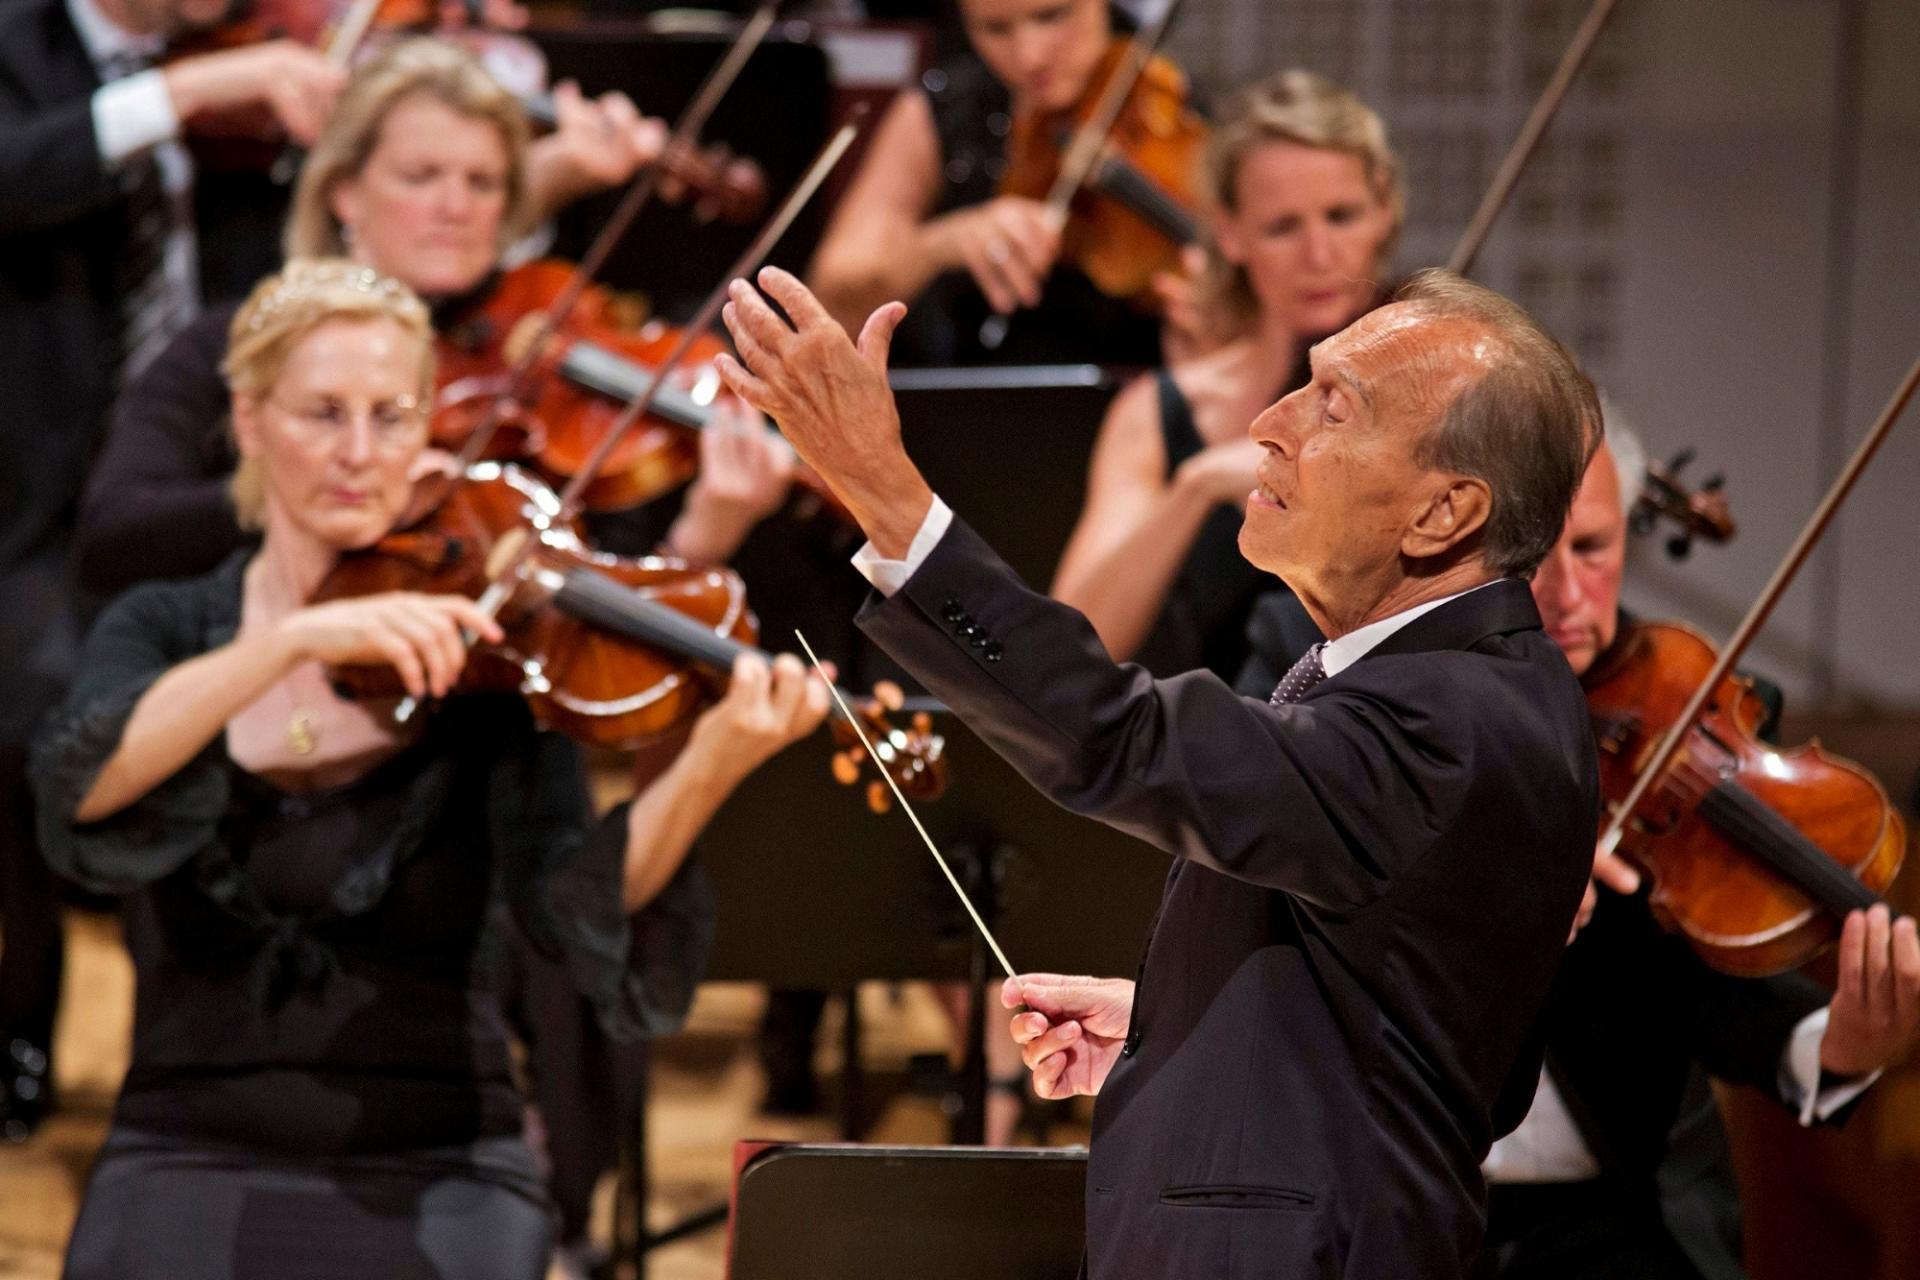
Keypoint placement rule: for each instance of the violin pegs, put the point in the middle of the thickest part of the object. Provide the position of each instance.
(846, 768)
(889, 695)
(922, 723)
(877, 798)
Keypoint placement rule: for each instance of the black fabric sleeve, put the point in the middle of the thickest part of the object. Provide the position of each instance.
(156, 503)
(567, 873)
(136, 640)
(1173, 762)
(50, 166)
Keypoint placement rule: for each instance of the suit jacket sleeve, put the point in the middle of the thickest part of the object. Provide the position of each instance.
(156, 503)
(1328, 799)
(50, 166)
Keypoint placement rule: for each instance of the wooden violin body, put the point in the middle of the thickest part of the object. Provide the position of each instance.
(1129, 221)
(1755, 853)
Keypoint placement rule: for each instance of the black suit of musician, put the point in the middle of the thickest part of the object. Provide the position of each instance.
(1620, 1170)
(96, 270)
(1374, 874)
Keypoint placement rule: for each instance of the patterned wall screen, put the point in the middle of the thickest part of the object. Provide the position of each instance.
(1454, 80)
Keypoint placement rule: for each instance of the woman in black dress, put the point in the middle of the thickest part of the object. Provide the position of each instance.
(1307, 204)
(320, 1082)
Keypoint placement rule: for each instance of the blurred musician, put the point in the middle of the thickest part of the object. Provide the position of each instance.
(1307, 203)
(98, 268)
(922, 216)
(321, 1080)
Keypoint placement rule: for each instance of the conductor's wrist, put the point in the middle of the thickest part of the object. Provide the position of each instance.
(891, 513)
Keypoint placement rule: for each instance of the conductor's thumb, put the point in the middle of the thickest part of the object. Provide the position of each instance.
(876, 335)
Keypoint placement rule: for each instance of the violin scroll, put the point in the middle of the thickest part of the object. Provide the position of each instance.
(1696, 513)
(915, 757)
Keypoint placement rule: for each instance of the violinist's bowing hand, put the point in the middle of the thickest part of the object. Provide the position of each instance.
(1073, 1030)
(1874, 1019)
(1611, 870)
(746, 470)
(831, 399)
(419, 636)
(766, 707)
(295, 82)
(1009, 246)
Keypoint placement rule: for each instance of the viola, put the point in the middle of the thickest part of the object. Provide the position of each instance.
(1755, 854)
(610, 650)
(574, 389)
(1128, 219)
(1694, 513)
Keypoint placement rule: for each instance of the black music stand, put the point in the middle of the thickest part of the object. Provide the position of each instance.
(827, 1212)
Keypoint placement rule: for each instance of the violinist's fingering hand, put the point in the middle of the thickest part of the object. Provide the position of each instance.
(746, 470)
(1874, 1019)
(831, 400)
(766, 707)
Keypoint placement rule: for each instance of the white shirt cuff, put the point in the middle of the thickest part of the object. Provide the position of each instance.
(1800, 1073)
(888, 576)
(133, 114)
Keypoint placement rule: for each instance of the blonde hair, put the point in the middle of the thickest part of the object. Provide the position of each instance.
(423, 67)
(281, 311)
(1299, 107)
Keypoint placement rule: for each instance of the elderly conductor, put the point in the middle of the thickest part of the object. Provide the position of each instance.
(1374, 870)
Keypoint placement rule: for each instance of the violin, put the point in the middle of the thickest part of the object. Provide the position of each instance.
(613, 651)
(1128, 215)
(1695, 513)
(575, 387)
(1755, 854)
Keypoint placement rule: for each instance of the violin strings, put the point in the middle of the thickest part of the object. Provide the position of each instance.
(834, 692)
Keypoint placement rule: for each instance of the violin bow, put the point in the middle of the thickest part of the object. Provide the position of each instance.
(686, 132)
(505, 574)
(1762, 608)
(1507, 177)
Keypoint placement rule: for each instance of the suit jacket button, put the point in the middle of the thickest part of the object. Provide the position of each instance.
(1132, 1046)
(950, 610)
(992, 651)
(967, 630)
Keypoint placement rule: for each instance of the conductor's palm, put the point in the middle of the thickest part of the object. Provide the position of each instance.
(1073, 1031)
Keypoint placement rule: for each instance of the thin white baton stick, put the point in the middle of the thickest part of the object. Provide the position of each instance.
(953, 880)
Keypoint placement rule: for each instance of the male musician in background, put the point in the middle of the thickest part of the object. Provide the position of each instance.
(1374, 869)
(98, 268)
(1620, 1170)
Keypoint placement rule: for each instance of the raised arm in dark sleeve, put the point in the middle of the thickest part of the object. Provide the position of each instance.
(156, 503)
(1328, 799)
(50, 166)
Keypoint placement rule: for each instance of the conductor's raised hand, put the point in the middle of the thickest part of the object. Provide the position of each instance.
(831, 399)
(1072, 1030)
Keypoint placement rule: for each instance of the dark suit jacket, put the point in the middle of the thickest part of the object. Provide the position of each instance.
(1632, 1025)
(62, 222)
(1373, 888)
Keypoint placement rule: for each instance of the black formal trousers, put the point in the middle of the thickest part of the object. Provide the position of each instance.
(1370, 892)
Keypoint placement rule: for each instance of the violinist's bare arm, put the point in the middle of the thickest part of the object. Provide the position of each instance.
(1135, 528)
(295, 81)
(418, 635)
(766, 707)
(881, 244)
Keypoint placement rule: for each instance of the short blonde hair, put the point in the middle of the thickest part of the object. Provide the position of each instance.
(281, 311)
(1289, 106)
(423, 67)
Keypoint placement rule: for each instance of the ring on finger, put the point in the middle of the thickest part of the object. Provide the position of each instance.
(999, 251)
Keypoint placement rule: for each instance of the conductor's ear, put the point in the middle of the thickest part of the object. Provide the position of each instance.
(1453, 513)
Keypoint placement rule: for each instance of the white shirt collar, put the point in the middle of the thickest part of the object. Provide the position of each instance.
(106, 41)
(1340, 654)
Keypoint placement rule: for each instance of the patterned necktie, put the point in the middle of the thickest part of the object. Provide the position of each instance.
(153, 304)
(1300, 677)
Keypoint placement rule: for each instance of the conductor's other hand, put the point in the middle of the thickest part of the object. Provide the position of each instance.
(1073, 1029)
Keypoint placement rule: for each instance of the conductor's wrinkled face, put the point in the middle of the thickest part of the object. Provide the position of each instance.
(1341, 492)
